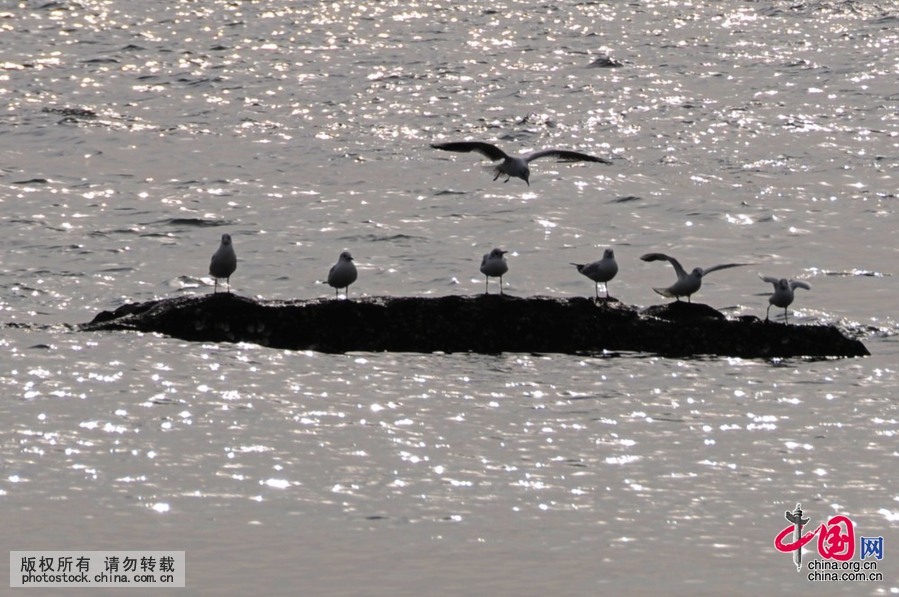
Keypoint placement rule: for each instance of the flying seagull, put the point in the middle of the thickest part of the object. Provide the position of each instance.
(783, 293)
(493, 265)
(342, 274)
(686, 283)
(600, 271)
(516, 166)
(223, 263)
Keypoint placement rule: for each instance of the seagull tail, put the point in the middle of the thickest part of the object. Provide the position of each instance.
(664, 292)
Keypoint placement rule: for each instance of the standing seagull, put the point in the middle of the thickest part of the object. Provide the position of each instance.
(516, 165)
(600, 271)
(686, 283)
(493, 264)
(342, 274)
(223, 263)
(783, 293)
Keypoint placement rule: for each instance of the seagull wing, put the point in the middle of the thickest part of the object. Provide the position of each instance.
(794, 284)
(721, 266)
(678, 268)
(769, 279)
(485, 149)
(563, 154)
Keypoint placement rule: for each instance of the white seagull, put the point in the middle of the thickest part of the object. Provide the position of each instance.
(686, 283)
(516, 166)
(224, 262)
(783, 293)
(600, 271)
(342, 274)
(494, 265)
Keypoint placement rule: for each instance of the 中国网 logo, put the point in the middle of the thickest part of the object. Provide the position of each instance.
(836, 548)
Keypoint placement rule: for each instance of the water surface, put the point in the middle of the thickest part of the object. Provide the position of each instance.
(133, 136)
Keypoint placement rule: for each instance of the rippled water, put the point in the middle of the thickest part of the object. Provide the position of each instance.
(135, 134)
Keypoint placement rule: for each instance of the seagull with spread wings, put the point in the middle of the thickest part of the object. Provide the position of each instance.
(512, 165)
(687, 283)
(783, 293)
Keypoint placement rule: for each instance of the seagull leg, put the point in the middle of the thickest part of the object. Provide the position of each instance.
(767, 313)
(501, 278)
(487, 282)
(786, 317)
(228, 282)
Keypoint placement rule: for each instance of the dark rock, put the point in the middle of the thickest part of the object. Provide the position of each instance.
(683, 311)
(605, 61)
(484, 324)
(71, 112)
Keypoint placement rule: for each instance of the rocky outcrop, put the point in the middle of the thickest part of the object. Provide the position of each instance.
(484, 324)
